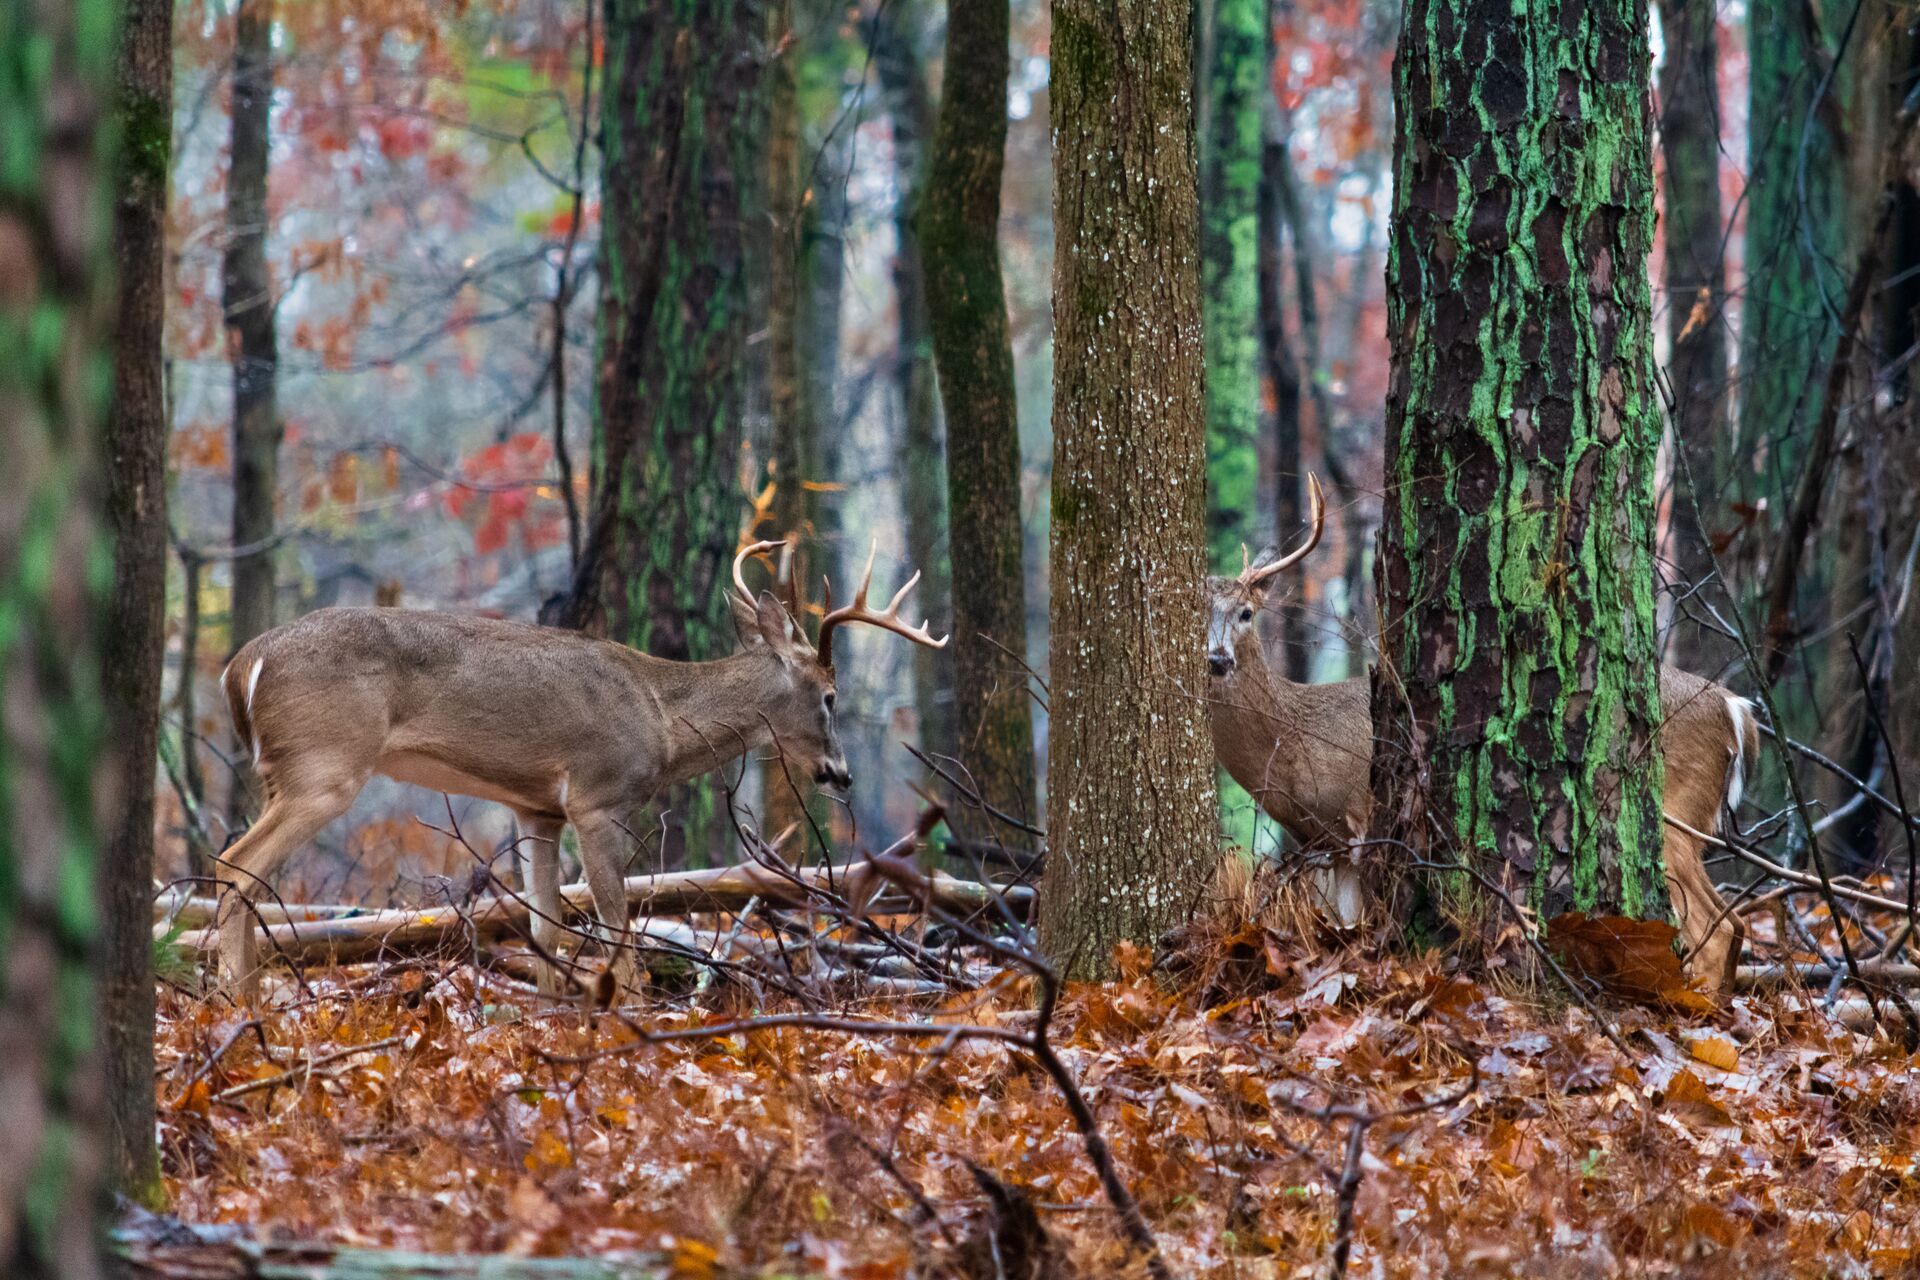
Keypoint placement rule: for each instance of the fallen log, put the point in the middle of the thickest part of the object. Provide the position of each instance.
(1759, 976)
(350, 939)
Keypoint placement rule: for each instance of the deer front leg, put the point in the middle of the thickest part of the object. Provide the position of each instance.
(603, 848)
(540, 881)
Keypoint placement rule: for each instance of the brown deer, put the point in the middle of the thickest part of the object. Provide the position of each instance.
(558, 726)
(1303, 752)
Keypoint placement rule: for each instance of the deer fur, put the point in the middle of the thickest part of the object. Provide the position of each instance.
(558, 726)
(1303, 751)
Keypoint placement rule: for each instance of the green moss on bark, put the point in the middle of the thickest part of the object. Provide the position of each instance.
(1516, 701)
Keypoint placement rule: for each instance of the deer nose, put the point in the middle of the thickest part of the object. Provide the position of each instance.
(836, 775)
(1220, 664)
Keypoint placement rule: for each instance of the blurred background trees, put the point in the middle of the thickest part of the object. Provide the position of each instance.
(444, 304)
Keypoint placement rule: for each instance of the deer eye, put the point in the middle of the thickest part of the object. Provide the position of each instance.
(827, 702)
(1246, 615)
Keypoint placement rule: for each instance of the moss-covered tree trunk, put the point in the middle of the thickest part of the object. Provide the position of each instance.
(1517, 696)
(133, 639)
(248, 302)
(959, 223)
(922, 449)
(1131, 826)
(1230, 155)
(1696, 285)
(683, 140)
(1793, 246)
(56, 86)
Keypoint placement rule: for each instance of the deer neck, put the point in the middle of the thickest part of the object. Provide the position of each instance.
(711, 712)
(1252, 715)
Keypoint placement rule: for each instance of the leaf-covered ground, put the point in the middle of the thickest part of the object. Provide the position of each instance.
(1754, 1140)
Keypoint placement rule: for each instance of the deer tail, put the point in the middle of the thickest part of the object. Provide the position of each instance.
(239, 682)
(1744, 754)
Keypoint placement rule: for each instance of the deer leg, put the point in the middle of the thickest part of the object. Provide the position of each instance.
(603, 856)
(292, 817)
(540, 881)
(1712, 935)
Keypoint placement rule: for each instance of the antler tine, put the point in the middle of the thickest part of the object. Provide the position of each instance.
(887, 619)
(1317, 517)
(740, 558)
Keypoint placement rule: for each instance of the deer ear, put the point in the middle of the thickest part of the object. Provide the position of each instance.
(746, 621)
(773, 624)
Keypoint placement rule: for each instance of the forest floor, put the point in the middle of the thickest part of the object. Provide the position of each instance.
(422, 1109)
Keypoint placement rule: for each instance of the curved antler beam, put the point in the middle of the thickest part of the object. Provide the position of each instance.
(887, 619)
(1251, 576)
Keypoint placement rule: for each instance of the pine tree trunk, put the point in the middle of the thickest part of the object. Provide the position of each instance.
(967, 317)
(922, 451)
(56, 306)
(1131, 821)
(133, 640)
(683, 136)
(1696, 287)
(1517, 695)
(248, 301)
(1792, 250)
(1230, 170)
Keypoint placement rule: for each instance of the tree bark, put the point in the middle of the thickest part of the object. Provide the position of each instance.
(1517, 696)
(682, 138)
(56, 306)
(1282, 364)
(959, 223)
(1696, 286)
(1230, 173)
(922, 450)
(1131, 820)
(248, 302)
(134, 638)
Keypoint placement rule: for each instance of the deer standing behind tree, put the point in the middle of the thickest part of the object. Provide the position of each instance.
(558, 726)
(1303, 751)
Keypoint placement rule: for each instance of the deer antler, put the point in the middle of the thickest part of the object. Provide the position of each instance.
(887, 619)
(740, 557)
(1252, 576)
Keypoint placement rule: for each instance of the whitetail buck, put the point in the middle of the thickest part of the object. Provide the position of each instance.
(1303, 752)
(558, 726)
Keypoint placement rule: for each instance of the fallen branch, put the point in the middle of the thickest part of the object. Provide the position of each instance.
(348, 939)
(1751, 977)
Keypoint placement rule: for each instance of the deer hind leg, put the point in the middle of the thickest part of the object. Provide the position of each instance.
(293, 816)
(540, 881)
(603, 845)
(1711, 933)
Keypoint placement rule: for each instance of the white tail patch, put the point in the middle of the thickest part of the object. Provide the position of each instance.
(253, 682)
(1740, 710)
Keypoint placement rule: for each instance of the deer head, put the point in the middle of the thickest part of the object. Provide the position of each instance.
(1235, 603)
(800, 706)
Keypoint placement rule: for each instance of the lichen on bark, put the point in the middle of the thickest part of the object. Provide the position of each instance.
(1517, 697)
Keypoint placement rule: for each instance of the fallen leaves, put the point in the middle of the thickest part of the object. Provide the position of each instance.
(1757, 1139)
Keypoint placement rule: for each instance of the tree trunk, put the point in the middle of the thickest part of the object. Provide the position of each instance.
(1793, 289)
(923, 456)
(786, 785)
(1131, 823)
(1281, 363)
(682, 138)
(1230, 171)
(56, 307)
(1696, 320)
(248, 302)
(1517, 694)
(134, 638)
(959, 234)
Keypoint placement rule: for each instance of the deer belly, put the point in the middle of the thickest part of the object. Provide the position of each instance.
(439, 775)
